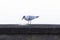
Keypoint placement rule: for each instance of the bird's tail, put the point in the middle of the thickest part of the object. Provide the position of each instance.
(37, 16)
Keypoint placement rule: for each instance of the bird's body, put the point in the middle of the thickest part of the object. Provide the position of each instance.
(29, 18)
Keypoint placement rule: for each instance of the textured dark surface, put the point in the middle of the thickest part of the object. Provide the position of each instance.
(30, 26)
(29, 37)
(29, 32)
(29, 29)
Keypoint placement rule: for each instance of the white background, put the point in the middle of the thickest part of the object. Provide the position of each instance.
(11, 11)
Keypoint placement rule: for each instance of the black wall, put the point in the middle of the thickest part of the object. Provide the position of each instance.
(30, 29)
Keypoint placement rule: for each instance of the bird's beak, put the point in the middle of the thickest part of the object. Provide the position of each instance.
(22, 18)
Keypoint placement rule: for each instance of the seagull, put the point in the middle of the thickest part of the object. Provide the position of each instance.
(29, 18)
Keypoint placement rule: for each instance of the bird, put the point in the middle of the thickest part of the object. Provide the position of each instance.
(29, 18)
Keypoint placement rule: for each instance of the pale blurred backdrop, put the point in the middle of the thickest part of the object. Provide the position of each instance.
(12, 11)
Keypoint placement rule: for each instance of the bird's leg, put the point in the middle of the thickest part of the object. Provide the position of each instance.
(30, 21)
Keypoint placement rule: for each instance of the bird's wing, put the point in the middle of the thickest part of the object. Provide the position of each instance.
(32, 17)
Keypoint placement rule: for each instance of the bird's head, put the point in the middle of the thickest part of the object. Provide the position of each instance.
(23, 17)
